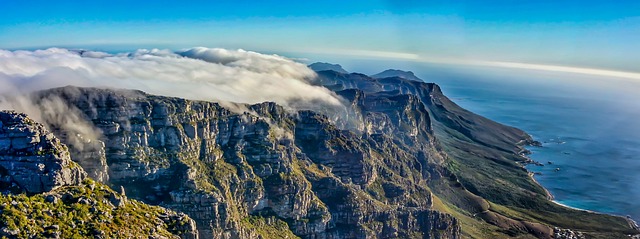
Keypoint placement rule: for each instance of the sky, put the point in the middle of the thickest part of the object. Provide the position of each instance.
(584, 34)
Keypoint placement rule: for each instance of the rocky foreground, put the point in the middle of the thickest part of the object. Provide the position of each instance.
(46, 195)
(402, 162)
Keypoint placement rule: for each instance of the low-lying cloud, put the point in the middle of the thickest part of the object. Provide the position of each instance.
(198, 73)
(54, 113)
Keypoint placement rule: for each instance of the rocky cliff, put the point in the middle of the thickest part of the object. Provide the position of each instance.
(227, 168)
(32, 160)
(481, 180)
(47, 195)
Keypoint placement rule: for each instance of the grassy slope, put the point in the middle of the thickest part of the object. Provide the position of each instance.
(82, 211)
(268, 227)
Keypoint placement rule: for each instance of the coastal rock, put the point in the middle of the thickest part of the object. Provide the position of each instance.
(482, 160)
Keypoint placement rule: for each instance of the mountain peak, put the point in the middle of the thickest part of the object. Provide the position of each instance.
(397, 73)
(323, 66)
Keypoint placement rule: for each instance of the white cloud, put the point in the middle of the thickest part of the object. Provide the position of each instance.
(197, 73)
(53, 112)
(566, 69)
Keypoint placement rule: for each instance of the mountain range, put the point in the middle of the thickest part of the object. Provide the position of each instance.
(401, 161)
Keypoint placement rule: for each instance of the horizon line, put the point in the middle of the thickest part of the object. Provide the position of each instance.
(413, 57)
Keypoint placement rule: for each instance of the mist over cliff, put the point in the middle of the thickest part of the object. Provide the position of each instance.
(197, 73)
(225, 76)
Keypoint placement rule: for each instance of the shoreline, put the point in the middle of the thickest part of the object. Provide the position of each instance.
(546, 191)
(632, 223)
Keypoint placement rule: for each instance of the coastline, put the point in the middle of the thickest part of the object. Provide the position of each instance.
(632, 223)
(519, 116)
(546, 191)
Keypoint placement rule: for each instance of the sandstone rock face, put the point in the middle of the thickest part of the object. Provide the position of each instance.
(222, 167)
(92, 157)
(32, 159)
(35, 162)
(447, 113)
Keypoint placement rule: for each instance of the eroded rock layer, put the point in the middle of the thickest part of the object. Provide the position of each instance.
(224, 167)
(46, 195)
(33, 160)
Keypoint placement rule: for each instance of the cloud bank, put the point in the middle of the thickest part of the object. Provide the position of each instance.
(196, 73)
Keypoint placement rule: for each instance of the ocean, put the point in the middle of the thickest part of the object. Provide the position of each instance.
(589, 128)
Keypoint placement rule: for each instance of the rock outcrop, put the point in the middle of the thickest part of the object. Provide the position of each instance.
(33, 160)
(46, 194)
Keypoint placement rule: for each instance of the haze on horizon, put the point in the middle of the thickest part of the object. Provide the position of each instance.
(592, 37)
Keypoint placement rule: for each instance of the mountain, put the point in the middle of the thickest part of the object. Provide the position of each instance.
(267, 170)
(407, 75)
(403, 161)
(485, 169)
(322, 66)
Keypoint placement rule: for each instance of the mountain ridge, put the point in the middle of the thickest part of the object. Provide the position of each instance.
(323, 66)
(472, 143)
(408, 75)
(415, 165)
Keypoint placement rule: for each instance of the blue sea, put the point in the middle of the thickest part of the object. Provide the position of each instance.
(589, 128)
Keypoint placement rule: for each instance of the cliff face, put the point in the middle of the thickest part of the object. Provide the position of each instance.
(226, 168)
(444, 112)
(46, 194)
(32, 160)
(482, 170)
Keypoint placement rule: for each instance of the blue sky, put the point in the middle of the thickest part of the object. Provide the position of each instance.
(586, 34)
